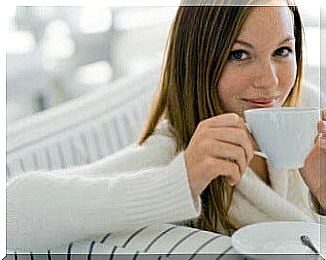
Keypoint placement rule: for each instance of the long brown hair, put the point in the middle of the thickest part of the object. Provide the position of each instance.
(200, 40)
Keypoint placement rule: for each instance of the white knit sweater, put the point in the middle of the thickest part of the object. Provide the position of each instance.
(138, 186)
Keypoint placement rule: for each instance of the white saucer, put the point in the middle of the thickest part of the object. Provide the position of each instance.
(279, 238)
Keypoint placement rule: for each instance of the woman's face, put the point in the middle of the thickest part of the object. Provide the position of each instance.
(261, 69)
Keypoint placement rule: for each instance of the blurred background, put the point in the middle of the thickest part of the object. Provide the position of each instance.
(59, 53)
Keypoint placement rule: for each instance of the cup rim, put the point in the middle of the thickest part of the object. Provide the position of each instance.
(283, 109)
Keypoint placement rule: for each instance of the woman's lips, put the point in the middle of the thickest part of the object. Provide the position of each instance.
(260, 102)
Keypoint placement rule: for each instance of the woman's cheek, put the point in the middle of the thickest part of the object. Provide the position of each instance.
(233, 85)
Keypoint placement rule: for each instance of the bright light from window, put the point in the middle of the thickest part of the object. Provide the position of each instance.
(96, 73)
(11, 12)
(140, 64)
(310, 10)
(58, 48)
(95, 20)
(134, 18)
(57, 28)
(20, 42)
(57, 43)
(11, 9)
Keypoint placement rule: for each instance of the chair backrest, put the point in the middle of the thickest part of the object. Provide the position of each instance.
(82, 130)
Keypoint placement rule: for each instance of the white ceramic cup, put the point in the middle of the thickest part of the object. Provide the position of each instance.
(285, 136)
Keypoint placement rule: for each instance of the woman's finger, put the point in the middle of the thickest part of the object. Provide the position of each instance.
(230, 119)
(227, 168)
(233, 136)
(227, 151)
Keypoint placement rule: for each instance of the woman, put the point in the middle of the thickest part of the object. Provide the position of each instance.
(261, 66)
(194, 160)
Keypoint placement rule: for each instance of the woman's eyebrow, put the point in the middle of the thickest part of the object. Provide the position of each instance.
(289, 38)
(244, 43)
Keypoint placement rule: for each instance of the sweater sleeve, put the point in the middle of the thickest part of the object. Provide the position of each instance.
(50, 209)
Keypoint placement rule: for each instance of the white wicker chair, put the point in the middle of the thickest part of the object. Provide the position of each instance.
(82, 130)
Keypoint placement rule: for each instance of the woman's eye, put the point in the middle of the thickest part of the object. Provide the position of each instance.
(238, 55)
(283, 52)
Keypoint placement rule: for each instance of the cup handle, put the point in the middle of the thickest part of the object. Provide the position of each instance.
(260, 154)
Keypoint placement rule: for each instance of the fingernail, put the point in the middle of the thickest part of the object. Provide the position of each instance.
(231, 183)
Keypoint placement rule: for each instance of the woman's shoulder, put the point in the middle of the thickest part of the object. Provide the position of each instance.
(164, 128)
(162, 139)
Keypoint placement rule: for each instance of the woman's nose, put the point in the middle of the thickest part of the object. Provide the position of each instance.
(265, 75)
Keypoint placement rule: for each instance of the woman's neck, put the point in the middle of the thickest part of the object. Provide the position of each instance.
(259, 166)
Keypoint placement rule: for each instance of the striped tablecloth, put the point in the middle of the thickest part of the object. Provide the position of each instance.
(152, 242)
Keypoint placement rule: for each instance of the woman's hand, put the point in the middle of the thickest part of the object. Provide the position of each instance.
(314, 171)
(220, 146)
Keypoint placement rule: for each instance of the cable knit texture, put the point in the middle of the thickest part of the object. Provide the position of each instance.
(139, 186)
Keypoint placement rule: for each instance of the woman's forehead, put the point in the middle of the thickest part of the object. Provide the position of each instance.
(268, 21)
